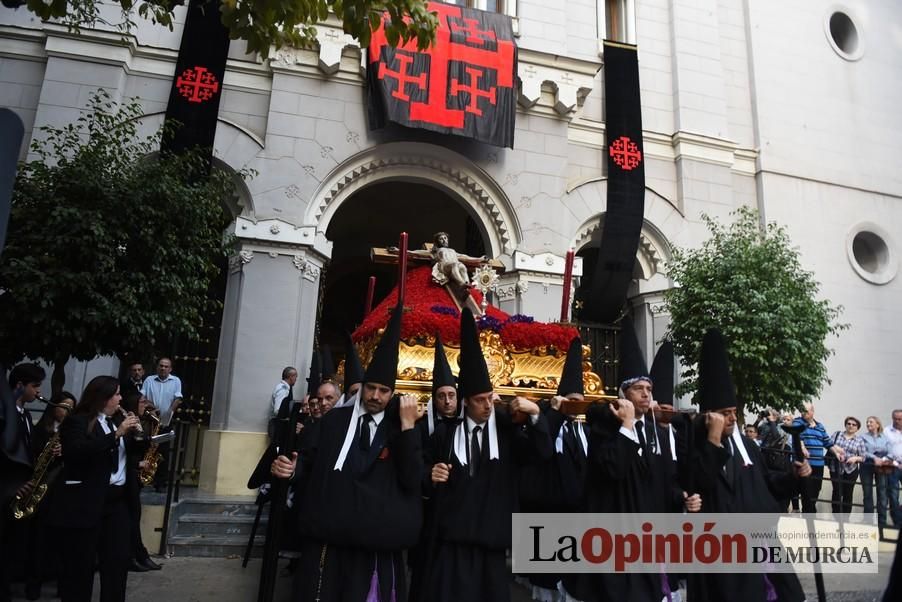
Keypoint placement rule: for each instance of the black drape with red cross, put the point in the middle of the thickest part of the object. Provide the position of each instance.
(197, 84)
(626, 186)
(463, 85)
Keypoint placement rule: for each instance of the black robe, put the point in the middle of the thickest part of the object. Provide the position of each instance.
(752, 490)
(355, 522)
(473, 515)
(618, 480)
(555, 486)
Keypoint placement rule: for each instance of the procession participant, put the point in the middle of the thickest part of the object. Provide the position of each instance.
(624, 460)
(358, 482)
(16, 462)
(557, 486)
(353, 377)
(473, 510)
(42, 557)
(94, 522)
(733, 478)
(137, 404)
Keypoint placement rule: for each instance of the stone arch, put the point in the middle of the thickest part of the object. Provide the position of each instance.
(420, 162)
(654, 248)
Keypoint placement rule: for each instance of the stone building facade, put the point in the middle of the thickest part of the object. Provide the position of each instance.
(788, 107)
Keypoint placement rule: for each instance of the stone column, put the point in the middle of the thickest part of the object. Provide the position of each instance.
(268, 324)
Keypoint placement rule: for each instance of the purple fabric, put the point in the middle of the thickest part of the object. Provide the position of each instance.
(771, 591)
(665, 585)
(373, 594)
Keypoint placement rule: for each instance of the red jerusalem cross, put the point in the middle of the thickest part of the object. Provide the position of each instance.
(402, 76)
(473, 90)
(474, 34)
(197, 84)
(625, 153)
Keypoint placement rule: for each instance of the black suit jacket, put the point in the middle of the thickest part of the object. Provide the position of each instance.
(85, 477)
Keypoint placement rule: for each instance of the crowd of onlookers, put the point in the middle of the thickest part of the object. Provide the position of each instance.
(871, 455)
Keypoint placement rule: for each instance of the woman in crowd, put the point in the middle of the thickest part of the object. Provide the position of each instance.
(42, 552)
(876, 450)
(93, 482)
(844, 474)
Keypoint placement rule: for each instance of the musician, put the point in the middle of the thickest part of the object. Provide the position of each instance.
(42, 557)
(164, 390)
(16, 462)
(95, 523)
(478, 466)
(359, 489)
(138, 405)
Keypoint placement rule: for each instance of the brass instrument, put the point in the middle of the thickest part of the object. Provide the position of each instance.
(25, 507)
(152, 455)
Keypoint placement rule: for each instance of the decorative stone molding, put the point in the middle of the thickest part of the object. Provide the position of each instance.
(414, 160)
(275, 231)
(245, 257)
(300, 262)
(570, 80)
(332, 42)
(548, 263)
(651, 253)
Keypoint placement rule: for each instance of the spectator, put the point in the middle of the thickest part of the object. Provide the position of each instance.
(844, 472)
(894, 439)
(283, 390)
(751, 431)
(872, 469)
(816, 441)
(164, 390)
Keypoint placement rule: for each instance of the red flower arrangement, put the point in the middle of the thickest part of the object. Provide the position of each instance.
(430, 310)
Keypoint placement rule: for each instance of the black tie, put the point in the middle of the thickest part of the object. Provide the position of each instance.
(577, 440)
(364, 441)
(114, 455)
(728, 468)
(640, 431)
(26, 432)
(475, 452)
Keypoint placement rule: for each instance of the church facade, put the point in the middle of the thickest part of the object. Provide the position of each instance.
(787, 107)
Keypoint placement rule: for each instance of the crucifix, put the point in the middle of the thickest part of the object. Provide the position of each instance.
(449, 268)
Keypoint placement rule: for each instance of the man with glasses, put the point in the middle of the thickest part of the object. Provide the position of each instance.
(817, 442)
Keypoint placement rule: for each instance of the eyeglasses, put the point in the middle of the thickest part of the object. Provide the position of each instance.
(855, 424)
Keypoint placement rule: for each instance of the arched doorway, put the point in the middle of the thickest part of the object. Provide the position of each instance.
(375, 216)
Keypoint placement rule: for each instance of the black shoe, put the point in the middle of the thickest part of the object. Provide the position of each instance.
(136, 567)
(149, 564)
(33, 591)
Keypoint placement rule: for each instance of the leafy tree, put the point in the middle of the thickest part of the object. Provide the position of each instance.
(111, 246)
(748, 282)
(264, 23)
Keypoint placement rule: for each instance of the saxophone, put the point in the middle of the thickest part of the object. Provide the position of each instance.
(151, 456)
(25, 507)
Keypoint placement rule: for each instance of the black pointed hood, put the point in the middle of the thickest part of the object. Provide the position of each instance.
(353, 367)
(328, 367)
(314, 380)
(632, 360)
(572, 375)
(441, 370)
(474, 375)
(662, 373)
(715, 384)
(383, 368)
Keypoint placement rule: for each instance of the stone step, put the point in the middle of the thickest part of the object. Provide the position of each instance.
(217, 524)
(213, 546)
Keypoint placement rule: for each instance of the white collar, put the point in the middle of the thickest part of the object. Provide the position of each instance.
(459, 444)
(739, 446)
(352, 429)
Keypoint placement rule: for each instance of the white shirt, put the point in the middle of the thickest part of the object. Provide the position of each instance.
(279, 393)
(118, 477)
(374, 423)
(894, 437)
(162, 392)
(471, 425)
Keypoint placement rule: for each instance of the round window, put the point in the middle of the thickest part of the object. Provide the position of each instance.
(870, 254)
(843, 36)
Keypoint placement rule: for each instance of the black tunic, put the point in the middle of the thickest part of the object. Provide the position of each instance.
(751, 489)
(473, 515)
(618, 480)
(360, 518)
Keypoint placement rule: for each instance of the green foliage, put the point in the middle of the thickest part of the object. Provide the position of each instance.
(111, 247)
(268, 23)
(749, 283)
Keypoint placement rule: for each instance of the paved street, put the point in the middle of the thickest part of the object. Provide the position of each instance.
(223, 580)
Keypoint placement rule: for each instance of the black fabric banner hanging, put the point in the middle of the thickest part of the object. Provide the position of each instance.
(626, 186)
(462, 85)
(197, 84)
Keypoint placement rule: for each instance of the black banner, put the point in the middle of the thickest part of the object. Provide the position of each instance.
(462, 85)
(197, 84)
(626, 186)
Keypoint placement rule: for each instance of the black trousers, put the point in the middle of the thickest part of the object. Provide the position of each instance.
(843, 489)
(109, 544)
(812, 489)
